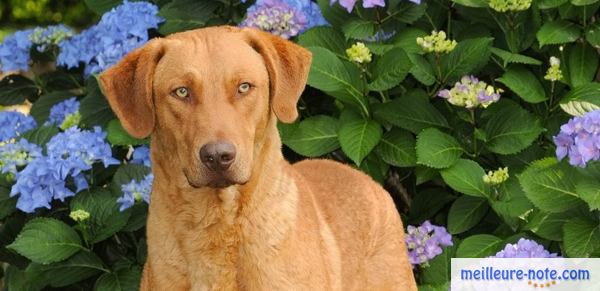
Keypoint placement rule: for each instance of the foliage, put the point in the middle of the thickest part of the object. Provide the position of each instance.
(427, 114)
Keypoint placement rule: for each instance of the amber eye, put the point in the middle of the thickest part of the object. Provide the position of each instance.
(244, 88)
(182, 92)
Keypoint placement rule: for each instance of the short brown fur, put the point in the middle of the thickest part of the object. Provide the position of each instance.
(314, 225)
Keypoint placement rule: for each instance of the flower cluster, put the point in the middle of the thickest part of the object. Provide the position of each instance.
(470, 93)
(79, 215)
(69, 153)
(349, 4)
(524, 248)
(510, 5)
(43, 38)
(17, 154)
(359, 53)
(554, 72)
(141, 156)
(496, 177)
(13, 124)
(135, 191)
(14, 51)
(65, 114)
(579, 139)
(120, 30)
(285, 18)
(425, 242)
(436, 42)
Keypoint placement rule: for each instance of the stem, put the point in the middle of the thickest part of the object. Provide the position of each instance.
(472, 111)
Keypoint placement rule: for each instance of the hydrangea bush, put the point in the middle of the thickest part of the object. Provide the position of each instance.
(481, 118)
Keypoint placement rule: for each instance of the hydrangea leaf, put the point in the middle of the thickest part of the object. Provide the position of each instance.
(46, 240)
(94, 107)
(125, 173)
(436, 149)
(412, 112)
(407, 11)
(581, 99)
(181, 15)
(15, 89)
(7, 203)
(325, 37)
(427, 203)
(550, 186)
(424, 174)
(397, 148)
(547, 4)
(122, 280)
(511, 58)
(358, 29)
(465, 213)
(557, 32)
(583, 2)
(335, 14)
(592, 35)
(79, 267)
(26, 279)
(473, 3)
(439, 270)
(511, 205)
(41, 135)
(375, 167)
(405, 39)
(314, 136)
(40, 110)
(524, 83)
(466, 176)
(468, 57)
(511, 129)
(588, 189)
(105, 218)
(117, 135)
(479, 246)
(358, 137)
(582, 63)
(581, 237)
(547, 225)
(101, 6)
(390, 69)
(422, 70)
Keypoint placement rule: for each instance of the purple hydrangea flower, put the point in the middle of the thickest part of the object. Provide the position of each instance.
(579, 139)
(13, 124)
(61, 110)
(14, 51)
(120, 30)
(135, 191)
(285, 18)
(425, 242)
(141, 156)
(17, 154)
(524, 248)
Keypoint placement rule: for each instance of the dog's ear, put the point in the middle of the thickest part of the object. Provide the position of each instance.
(128, 87)
(288, 65)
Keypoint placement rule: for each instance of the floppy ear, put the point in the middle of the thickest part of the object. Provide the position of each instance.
(288, 65)
(128, 88)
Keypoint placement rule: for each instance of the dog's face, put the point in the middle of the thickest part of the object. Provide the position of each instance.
(207, 96)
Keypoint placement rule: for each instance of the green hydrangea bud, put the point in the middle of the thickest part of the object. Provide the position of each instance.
(496, 177)
(71, 120)
(510, 5)
(79, 215)
(554, 73)
(359, 53)
(436, 42)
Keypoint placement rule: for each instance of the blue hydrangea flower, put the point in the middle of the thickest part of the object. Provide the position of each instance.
(524, 248)
(141, 155)
(120, 30)
(579, 139)
(349, 4)
(14, 51)
(285, 18)
(44, 37)
(17, 154)
(63, 110)
(425, 242)
(135, 191)
(13, 124)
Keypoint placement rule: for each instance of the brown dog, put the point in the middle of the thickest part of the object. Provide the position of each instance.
(228, 212)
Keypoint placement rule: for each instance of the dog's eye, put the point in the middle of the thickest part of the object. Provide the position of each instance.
(182, 92)
(244, 87)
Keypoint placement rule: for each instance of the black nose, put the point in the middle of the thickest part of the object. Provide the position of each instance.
(217, 156)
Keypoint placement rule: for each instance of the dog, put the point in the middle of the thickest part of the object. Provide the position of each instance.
(227, 211)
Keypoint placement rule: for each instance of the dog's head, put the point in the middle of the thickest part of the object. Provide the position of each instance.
(206, 97)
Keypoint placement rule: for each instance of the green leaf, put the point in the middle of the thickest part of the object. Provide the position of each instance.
(438, 271)
(183, 15)
(592, 35)
(408, 12)
(512, 205)
(79, 267)
(358, 137)
(15, 89)
(117, 135)
(46, 240)
(511, 129)
(105, 217)
(314, 136)
(511, 58)
(397, 148)
(390, 70)
(335, 14)
(325, 37)
(7, 203)
(479, 246)
(557, 32)
(375, 167)
(582, 62)
(424, 174)
(406, 39)
(122, 280)
(101, 6)
(125, 173)
(40, 110)
(473, 3)
(581, 237)
(436, 149)
(468, 57)
(422, 70)
(466, 177)
(465, 213)
(524, 83)
(41, 135)
(411, 112)
(23, 280)
(548, 225)
(547, 4)
(583, 2)
(358, 29)
(427, 203)
(581, 99)
(94, 108)
(550, 185)
(588, 189)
